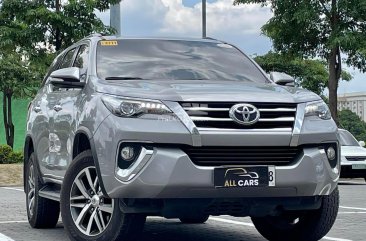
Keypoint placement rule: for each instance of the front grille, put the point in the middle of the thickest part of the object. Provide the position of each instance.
(232, 156)
(216, 115)
(355, 159)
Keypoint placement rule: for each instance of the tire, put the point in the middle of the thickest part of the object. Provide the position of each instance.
(194, 220)
(42, 212)
(87, 214)
(305, 226)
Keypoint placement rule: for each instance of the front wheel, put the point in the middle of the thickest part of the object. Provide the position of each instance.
(89, 215)
(301, 226)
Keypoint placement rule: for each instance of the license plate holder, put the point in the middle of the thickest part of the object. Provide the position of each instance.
(358, 166)
(245, 177)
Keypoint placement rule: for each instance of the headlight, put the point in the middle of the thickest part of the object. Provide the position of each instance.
(319, 109)
(125, 107)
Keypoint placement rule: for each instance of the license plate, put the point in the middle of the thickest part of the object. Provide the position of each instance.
(358, 166)
(242, 177)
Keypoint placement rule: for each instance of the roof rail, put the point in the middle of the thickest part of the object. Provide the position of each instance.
(95, 35)
(210, 38)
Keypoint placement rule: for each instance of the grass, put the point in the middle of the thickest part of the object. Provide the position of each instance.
(19, 119)
(11, 175)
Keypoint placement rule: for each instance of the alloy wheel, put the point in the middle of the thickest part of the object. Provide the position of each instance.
(90, 210)
(31, 190)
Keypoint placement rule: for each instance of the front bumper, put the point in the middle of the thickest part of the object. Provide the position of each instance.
(168, 172)
(353, 169)
(171, 174)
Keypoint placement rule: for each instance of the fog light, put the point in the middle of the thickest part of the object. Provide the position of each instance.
(128, 153)
(331, 153)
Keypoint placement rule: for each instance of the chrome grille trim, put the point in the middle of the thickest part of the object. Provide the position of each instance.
(228, 109)
(278, 110)
(215, 115)
(186, 120)
(287, 119)
(194, 118)
(269, 130)
(279, 119)
(299, 120)
(205, 109)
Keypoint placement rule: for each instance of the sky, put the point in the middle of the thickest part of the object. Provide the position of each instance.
(239, 25)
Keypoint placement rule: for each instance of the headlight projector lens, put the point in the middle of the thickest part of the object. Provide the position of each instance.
(128, 109)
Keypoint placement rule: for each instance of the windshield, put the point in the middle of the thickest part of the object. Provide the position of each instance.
(174, 60)
(347, 139)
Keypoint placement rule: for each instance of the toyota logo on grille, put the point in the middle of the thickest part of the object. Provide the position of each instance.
(245, 114)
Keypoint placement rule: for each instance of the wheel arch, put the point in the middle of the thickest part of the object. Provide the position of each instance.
(29, 148)
(84, 141)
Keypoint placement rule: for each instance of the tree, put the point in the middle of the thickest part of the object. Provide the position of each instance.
(15, 80)
(31, 32)
(309, 73)
(353, 123)
(57, 23)
(16, 73)
(319, 28)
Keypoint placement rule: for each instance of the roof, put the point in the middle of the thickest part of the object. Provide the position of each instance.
(113, 37)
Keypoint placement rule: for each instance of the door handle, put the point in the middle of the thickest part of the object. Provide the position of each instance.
(57, 108)
(37, 109)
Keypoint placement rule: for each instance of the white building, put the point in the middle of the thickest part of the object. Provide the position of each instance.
(356, 102)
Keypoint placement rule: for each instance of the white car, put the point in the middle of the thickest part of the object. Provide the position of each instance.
(353, 156)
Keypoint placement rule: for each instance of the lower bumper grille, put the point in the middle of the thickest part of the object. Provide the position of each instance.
(355, 159)
(231, 156)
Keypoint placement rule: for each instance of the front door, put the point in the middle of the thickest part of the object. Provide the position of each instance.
(65, 115)
(56, 146)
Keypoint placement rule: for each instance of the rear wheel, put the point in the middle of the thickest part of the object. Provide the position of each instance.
(304, 226)
(89, 215)
(194, 219)
(42, 212)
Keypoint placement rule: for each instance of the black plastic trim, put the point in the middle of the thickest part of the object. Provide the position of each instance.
(239, 207)
(27, 153)
(68, 84)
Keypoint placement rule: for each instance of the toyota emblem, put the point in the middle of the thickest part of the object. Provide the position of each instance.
(245, 114)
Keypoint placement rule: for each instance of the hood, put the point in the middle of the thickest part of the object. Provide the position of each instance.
(356, 151)
(205, 90)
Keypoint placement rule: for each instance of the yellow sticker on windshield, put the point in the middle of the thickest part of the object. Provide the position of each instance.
(109, 43)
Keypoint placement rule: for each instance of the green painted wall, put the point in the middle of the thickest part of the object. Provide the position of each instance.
(19, 119)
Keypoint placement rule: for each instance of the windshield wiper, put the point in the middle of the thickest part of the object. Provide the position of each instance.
(123, 78)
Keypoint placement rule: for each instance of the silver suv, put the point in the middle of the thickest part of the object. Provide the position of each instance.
(122, 129)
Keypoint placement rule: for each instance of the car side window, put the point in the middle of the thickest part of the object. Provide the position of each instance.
(82, 61)
(68, 59)
(53, 67)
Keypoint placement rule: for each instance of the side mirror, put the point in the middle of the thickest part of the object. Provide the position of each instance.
(69, 78)
(282, 79)
(362, 143)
